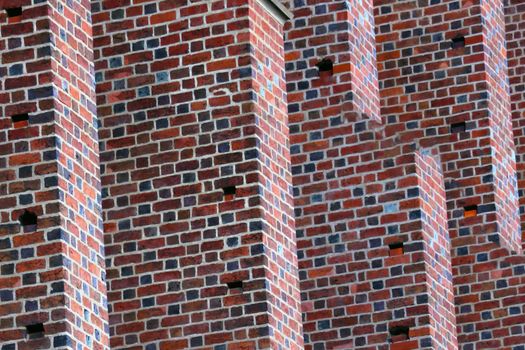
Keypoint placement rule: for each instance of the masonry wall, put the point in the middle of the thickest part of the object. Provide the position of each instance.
(53, 274)
(514, 12)
(437, 251)
(430, 83)
(199, 232)
(270, 109)
(342, 33)
(432, 106)
(348, 178)
(437, 63)
(364, 250)
(504, 155)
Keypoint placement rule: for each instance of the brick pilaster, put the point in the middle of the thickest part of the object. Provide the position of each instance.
(436, 240)
(53, 287)
(443, 81)
(515, 17)
(198, 215)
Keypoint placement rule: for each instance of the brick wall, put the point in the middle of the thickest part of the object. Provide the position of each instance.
(437, 88)
(270, 109)
(330, 135)
(339, 33)
(514, 17)
(504, 155)
(365, 247)
(265, 182)
(437, 74)
(197, 202)
(437, 251)
(52, 286)
(422, 106)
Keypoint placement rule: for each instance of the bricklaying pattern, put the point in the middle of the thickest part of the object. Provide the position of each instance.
(428, 63)
(342, 32)
(196, 176)
(500, 122)
(275, 177)
(514, 18)
(52, 244)
(267, 181)
(441, 91)
(437, 252)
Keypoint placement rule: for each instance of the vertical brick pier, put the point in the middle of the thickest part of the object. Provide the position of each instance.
(262, 174)
(52, 284)
(197, 196)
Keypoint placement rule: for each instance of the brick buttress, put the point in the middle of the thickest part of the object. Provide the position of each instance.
(197, 196)
(52, 283)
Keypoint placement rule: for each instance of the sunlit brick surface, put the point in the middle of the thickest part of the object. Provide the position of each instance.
(52, 269)
(515, 19)
(437, 252)
(251, 174)
(192, 102)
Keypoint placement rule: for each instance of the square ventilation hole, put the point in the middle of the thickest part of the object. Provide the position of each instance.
(326, 70)
(28, 220)
(20, 120)
(35, 330)
(229, 192)
(325, 65)
(458, 127)
(399, 333)
(470, 211)
(458, 42)
(13, 12)
(236, 285)
(396, 249)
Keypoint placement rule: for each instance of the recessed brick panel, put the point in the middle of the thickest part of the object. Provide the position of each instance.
(343, 33)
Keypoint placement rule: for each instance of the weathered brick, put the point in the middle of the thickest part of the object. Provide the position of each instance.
(382, 207)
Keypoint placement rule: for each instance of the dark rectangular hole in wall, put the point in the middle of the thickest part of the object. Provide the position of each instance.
(229, 192)
(399, 333)
(458, 127)
(458, 42)
(20, 120)
(14, 12)
(396, 249)
(35, 330)
(325, 65)
(470, 211)
(20, 117)
(28, 219)
(234, 285)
